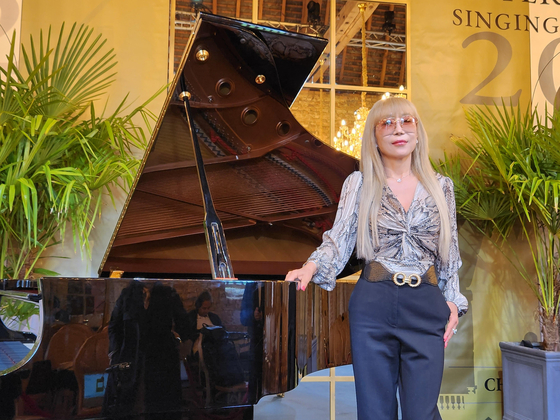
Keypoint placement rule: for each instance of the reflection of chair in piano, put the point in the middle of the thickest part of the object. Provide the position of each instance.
(56, 384)
(51, 387)
(65, 343)
(89, 367)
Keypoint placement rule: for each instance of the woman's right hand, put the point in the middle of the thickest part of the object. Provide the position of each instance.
(302, 275)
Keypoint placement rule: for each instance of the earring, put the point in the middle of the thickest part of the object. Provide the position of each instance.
(416, 141)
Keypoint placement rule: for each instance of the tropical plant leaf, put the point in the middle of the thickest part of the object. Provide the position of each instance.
(46, 272)
(507, 175)
(58, 156)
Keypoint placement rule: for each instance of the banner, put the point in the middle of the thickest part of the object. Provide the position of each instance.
(545, 62)
(475, 53)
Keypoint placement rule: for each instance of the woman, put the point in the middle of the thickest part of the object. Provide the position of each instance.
(144, 354)
(201, 316)
(220, 354)
(401, 216)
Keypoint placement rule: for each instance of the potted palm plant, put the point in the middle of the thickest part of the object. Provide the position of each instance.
(59, 155)
(507, 184)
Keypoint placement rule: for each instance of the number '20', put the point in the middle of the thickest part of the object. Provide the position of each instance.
(505, 52)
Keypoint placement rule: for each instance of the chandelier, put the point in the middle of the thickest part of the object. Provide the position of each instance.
(349, 140)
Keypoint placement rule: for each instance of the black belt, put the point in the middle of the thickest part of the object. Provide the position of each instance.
(375, 271)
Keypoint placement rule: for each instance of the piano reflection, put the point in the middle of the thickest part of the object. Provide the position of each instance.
(227, 156)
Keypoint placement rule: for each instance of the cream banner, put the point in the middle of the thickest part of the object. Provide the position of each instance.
(475, 53)
(545, 63)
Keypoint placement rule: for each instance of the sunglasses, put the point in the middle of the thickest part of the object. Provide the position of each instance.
(388, 125)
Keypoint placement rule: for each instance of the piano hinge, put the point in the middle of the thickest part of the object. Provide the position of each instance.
(116, 274)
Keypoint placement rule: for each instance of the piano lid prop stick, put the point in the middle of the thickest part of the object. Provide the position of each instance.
(220, 262)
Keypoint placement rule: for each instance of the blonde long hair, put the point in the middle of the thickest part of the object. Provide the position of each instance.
(371, 166)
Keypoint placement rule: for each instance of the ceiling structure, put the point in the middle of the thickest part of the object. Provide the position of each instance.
(386, 52)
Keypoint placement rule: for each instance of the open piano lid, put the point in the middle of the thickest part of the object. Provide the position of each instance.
(275, 187)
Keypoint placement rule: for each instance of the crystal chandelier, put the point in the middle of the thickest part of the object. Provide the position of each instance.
(396, 95)
(350, 140)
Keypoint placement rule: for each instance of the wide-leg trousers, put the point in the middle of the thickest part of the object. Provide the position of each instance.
(397, 340)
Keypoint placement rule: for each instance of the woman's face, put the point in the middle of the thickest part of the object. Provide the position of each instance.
(205, 308)
(396, 136)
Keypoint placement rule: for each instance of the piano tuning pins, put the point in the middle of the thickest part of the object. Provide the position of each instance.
(202, 55)
(260, 79)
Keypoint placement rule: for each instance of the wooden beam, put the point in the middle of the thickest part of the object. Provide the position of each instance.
(341, 75)
(215, 7)
(327, 12)
(385, 55)
(351, 23)
(237, 8)
(304, 11)
(383, 69)
(261, 3)
(402, 70)
(283, 12)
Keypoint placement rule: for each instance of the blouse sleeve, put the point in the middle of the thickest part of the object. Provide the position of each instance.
(338, 243)
(447, 272)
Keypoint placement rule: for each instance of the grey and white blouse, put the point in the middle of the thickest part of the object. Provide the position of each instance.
(408, 240)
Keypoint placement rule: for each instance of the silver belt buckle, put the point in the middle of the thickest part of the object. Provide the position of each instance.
(400, 279)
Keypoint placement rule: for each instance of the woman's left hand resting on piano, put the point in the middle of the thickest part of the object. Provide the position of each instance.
(302, 275)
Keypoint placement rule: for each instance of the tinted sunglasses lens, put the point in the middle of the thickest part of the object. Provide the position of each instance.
(407, 122)
(388, 124)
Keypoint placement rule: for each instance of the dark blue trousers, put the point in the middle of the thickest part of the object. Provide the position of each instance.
(397, 340)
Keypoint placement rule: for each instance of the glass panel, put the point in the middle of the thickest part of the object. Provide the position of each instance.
(316, 122)
(385, 53)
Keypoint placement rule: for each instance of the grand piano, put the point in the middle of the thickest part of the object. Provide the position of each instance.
(264, 182)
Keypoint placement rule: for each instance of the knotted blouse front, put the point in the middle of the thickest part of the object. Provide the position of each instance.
(408, 240)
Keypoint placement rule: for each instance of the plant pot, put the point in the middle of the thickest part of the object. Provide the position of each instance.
(531, 380)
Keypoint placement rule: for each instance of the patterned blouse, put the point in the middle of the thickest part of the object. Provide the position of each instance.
(408, 241)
